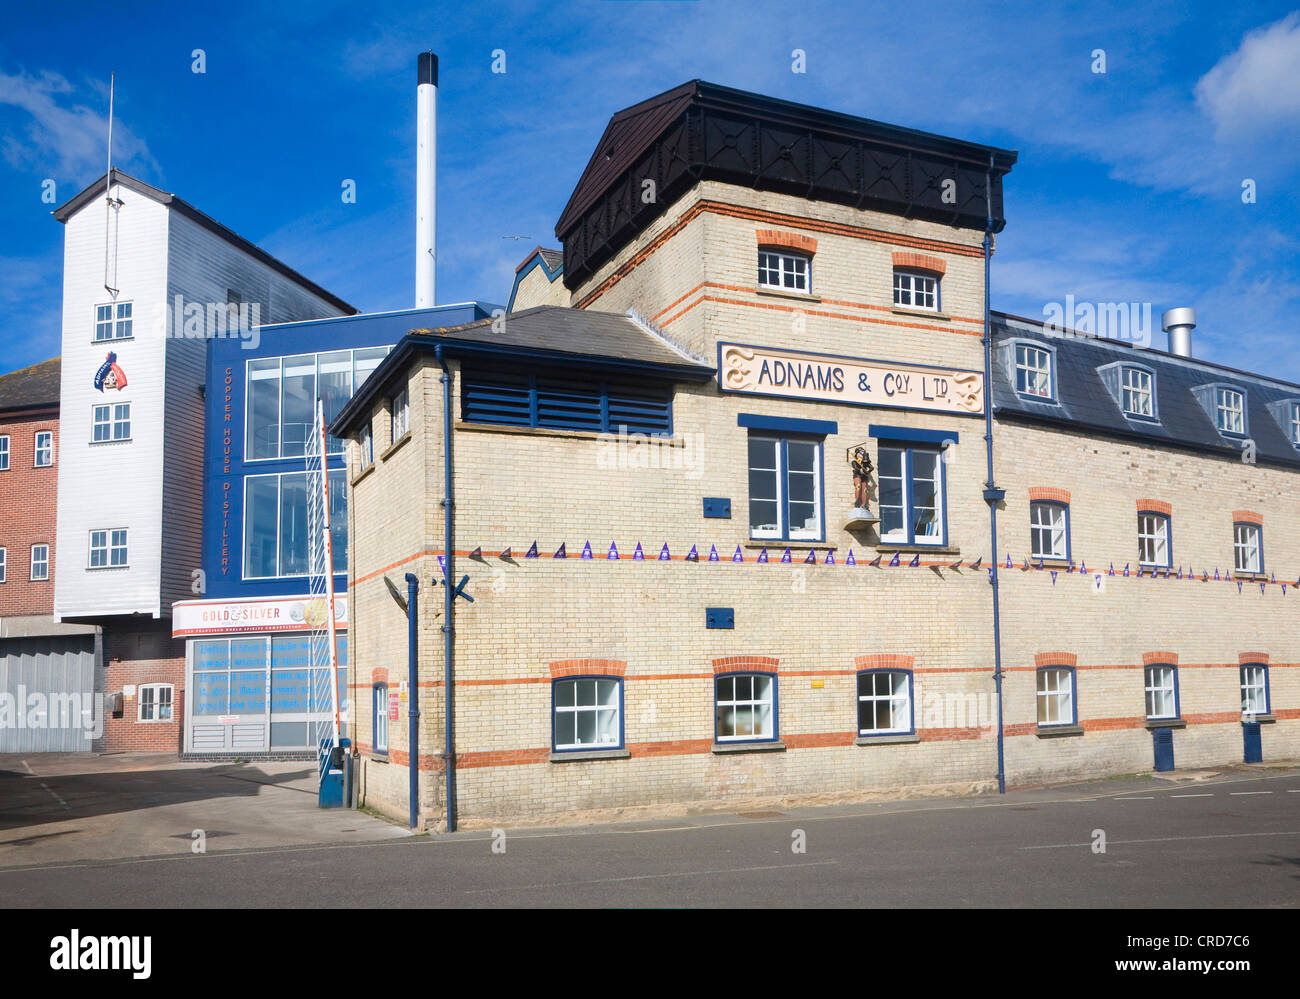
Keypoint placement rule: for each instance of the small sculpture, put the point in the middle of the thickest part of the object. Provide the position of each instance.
(862, 469)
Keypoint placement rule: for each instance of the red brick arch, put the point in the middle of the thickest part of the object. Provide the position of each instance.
(1252, 657)
(883, 660)
(1055, 659)
(1154, 506)
(588, 667)
(920, 262)
(379, 674)
(1247, 517)
(737, 664)
(787, 240)
(1164, 658)
(1050, 494)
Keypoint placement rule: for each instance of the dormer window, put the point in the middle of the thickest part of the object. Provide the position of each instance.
(1293, 423)
(784, 271)
(1230, 411)
(1033, 371)
(1138, 393)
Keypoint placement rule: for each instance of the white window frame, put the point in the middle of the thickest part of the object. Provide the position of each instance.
(366, 446)
(1137, 385)
(1230, 408)
(1160, 682)
(44, 561)
(155, 703)
(47, 450)
(4, 452)
(1026, 354)
(920, 290)
(783, 530)
(400, 414)
(1054, 696)
(4, 564)
(608, 692)
(1293, 423)
(116, 319)
(899, 704)
(1055, 527)
(753, 703)
(1247, 547)
(116, 422)
(1162, 525)
(1253, 679)
(113, 540)
(379, 699)
(797, 267)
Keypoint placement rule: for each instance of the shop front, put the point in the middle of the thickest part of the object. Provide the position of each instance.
(248, 668)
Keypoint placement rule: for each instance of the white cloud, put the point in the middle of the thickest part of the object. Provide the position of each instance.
(1257, 87)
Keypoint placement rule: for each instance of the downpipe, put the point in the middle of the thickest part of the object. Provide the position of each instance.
(413, 678)
(449, 597)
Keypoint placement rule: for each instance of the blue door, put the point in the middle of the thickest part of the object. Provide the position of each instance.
(1254, 746)
(1163, 738)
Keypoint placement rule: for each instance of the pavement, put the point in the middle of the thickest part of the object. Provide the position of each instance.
(1197, 839)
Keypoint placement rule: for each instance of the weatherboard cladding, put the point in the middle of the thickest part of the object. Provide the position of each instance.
(1083, 399)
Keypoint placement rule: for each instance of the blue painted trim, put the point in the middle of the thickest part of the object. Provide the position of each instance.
(622, 737)
(1178, 704)
(1068, 549)
(378, 705)
(1169, 539)
(908, 520)
(1260, 529)
(776, 710)
(755, 421)
(1268, 691)
(720, 617)
(911, 704)
(783, 508)
(1074, 695)
(911, 434)
(536, 260)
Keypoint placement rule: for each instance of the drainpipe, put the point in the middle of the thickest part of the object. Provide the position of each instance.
(449, 606)
(413, 681)
(992, 494)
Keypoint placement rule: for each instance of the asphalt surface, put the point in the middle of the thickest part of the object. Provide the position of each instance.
(1228, 840)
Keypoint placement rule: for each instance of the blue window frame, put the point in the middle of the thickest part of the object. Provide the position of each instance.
(566, 400)
(1255, 698)
(586, 713)
(913, 494)
(1155, 539)
(885, 702)
(1055, 694)
(1049, 530)
(1160, 684)
(1247, 547)
(745, 707)
(785, 487)
(379, 716)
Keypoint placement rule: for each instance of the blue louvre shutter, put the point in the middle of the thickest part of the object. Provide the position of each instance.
(499, 398)
(568, 403)
(643, 409)
(553, 399)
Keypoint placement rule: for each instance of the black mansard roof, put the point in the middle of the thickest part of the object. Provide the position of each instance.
(702, 131)
(1082, 400)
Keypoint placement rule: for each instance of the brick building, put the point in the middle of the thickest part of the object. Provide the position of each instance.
(688, 586)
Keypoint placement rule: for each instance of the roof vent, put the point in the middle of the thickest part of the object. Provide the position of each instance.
(1179, 323)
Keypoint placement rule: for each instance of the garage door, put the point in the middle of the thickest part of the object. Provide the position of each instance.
(47, 694)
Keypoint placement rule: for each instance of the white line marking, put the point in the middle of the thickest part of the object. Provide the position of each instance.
(1191, 796)
(1238, 794)
(647, 877)
(29, 768)
(53, 795)
(1150, 797)
(1163, 839)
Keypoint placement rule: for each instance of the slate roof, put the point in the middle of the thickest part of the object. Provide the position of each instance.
(34, 387)
(1084, 402)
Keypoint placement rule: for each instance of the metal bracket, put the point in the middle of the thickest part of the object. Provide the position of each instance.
(459, 591)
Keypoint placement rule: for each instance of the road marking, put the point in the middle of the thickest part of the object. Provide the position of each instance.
(1150, 797)
(1191, 795)
(648, 877)
(30, 771)
(1163, 839)
(1238, 794)
(53, 795)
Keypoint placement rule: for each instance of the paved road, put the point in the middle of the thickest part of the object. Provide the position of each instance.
(1228, 841)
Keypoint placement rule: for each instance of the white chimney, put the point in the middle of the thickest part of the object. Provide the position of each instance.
(1179, 323)
(426, 179)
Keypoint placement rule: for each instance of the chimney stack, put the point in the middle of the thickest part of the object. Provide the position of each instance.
(1179, 323)
(426, 179)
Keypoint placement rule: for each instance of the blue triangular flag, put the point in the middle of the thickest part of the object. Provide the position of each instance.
(1071, 569)
(692, 555)
(586, 550)
(916, 561)
(663, 555)
(1239, 586)
(830, 557)
(532, 551)
(1272, 578)
(442, 564)
(894, 561)
(786, 556)
(1126, 568)
(1261, 587)
(1180, 572)
(560, 552)
(850, 560)
(1216, 574)
(638, 555)
(762, 556)
(811, 557)
(737, 557)
(1284, 589)
(1009, 565)
(713, 553)
(1083, 568)
(1112, 568)
(1053, 577)
(990, 570)
(613, 550)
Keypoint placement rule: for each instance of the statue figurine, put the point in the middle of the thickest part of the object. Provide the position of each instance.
(862, 469)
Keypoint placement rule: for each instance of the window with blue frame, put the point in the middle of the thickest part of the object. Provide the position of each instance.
(885, 702)
(1055, 696)
(1254, 689)
(275, 524)
(785, 487)
(1155, 549)
(1161, 684)
(379, 716)
(587, 713)
(1049, 530)
(1247, 547)
(912, 495)
(565, 400)
(745, 707)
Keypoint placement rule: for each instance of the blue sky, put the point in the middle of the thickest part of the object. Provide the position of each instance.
(1128, 188)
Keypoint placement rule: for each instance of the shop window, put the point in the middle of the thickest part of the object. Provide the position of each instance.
(1056, 696)
(587, 713)
(784, 271)
(44, 445)
(379, 716)
(884, 702)
(155, 700)
(1161, 682)
(1255, 699)
(40, 562)
(916, 291)
(785, 488)
(275, 524)
(912, 496)
(1154, 548)
(1247, 547)
(745, 707)
(1049, 530)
